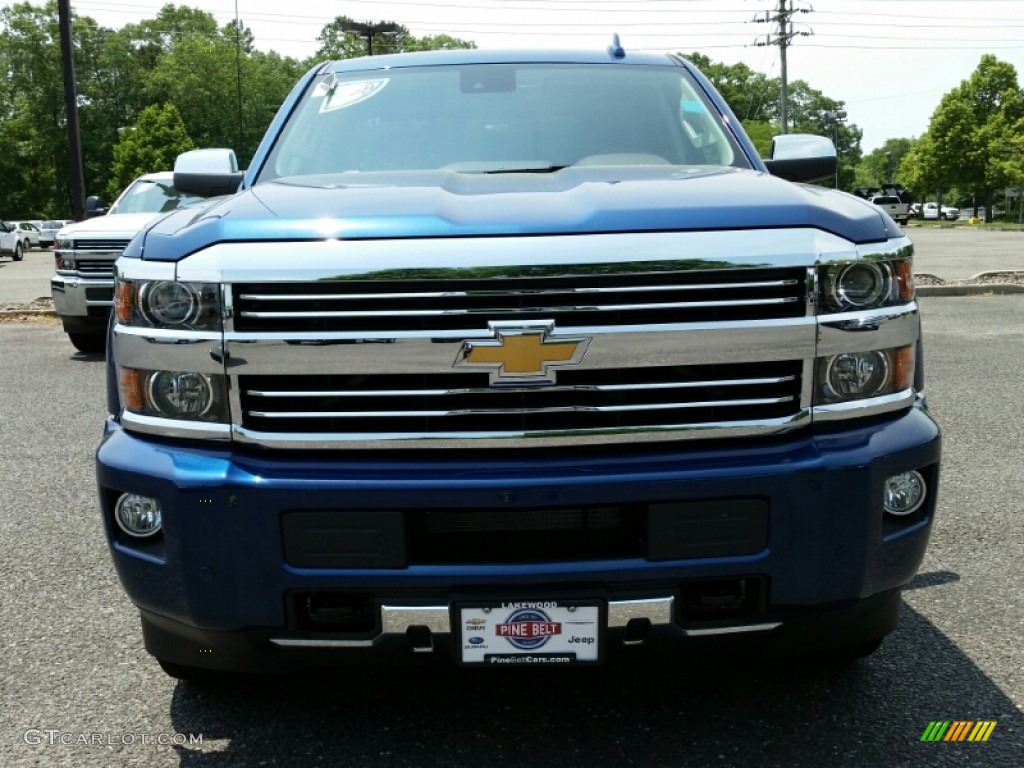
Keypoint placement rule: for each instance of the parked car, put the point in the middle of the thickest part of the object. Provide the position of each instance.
(933, 211)
(48, 231)
(27, 232)
(10, 241)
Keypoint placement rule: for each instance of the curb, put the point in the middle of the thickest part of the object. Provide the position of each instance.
(974, 289)
(32, 312)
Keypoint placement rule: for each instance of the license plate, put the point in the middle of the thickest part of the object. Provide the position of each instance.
(534, 633)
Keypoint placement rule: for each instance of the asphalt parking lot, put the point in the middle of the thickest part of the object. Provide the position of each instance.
(73, 667)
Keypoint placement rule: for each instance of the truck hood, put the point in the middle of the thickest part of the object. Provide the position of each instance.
(575, 200)
(123, 224)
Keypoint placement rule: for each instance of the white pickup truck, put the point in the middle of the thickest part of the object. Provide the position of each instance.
(84, 252)
(896, 208)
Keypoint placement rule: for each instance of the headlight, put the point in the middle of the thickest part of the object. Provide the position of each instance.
(64, 244)
(865, 285)
(174, 394)
(859, 375)
(168, 304)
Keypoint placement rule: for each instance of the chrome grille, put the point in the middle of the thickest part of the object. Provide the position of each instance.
(435, 304)
(95, 267)
(107, 246)
(463, 404)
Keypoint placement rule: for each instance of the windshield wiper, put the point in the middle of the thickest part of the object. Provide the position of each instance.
(528, 169)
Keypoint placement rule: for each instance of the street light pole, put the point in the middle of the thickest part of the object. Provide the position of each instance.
(369, 31)
(836, 117)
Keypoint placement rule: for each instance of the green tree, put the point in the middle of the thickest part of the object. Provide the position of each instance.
(969, 129)
(755, 99)
(1008, 159)
(30, 55)
(752, 96)
(924, 171)
(225, 97)
(150, 145)
(20, 139)
(881, 166)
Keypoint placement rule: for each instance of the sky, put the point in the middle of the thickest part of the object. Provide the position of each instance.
(889, 61)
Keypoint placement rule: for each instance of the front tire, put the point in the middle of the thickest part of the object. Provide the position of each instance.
(19, 254)
(89, 343)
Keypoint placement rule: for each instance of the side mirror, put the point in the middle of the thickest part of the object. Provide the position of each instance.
(802, 157)
(94, 207)
(207, 172)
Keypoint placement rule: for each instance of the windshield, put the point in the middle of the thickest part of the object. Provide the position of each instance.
(501, 118)
(53, 224)
(152, 197)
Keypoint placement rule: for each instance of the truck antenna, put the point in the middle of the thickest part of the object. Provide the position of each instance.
(615, 50)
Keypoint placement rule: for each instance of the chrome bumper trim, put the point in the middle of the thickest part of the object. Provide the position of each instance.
(767, 627)
(611, 436)
(396, 620)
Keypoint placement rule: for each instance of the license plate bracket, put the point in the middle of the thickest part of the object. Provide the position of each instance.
(531, 632)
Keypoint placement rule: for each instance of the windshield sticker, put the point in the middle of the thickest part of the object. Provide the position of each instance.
(346, 94)
(692, 106)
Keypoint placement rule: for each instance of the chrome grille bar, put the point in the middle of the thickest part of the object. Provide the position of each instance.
(520, 310)
(436, 304)
(592, 388)
(582, 400)
(539, 292)
(111, 246)
(507, 411)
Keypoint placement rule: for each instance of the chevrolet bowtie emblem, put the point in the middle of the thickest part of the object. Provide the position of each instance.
(522, 353)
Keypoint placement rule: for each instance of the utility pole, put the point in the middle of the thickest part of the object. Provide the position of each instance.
(783, 35)
(71, 108)
(238, 74)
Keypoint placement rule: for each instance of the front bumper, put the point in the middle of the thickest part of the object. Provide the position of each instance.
(221, 569)
(82, 300)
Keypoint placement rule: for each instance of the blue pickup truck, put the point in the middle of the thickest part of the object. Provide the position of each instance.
(498, 359)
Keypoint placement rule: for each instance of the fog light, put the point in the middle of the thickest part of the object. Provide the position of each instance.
(904, 493)
(138, 516)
